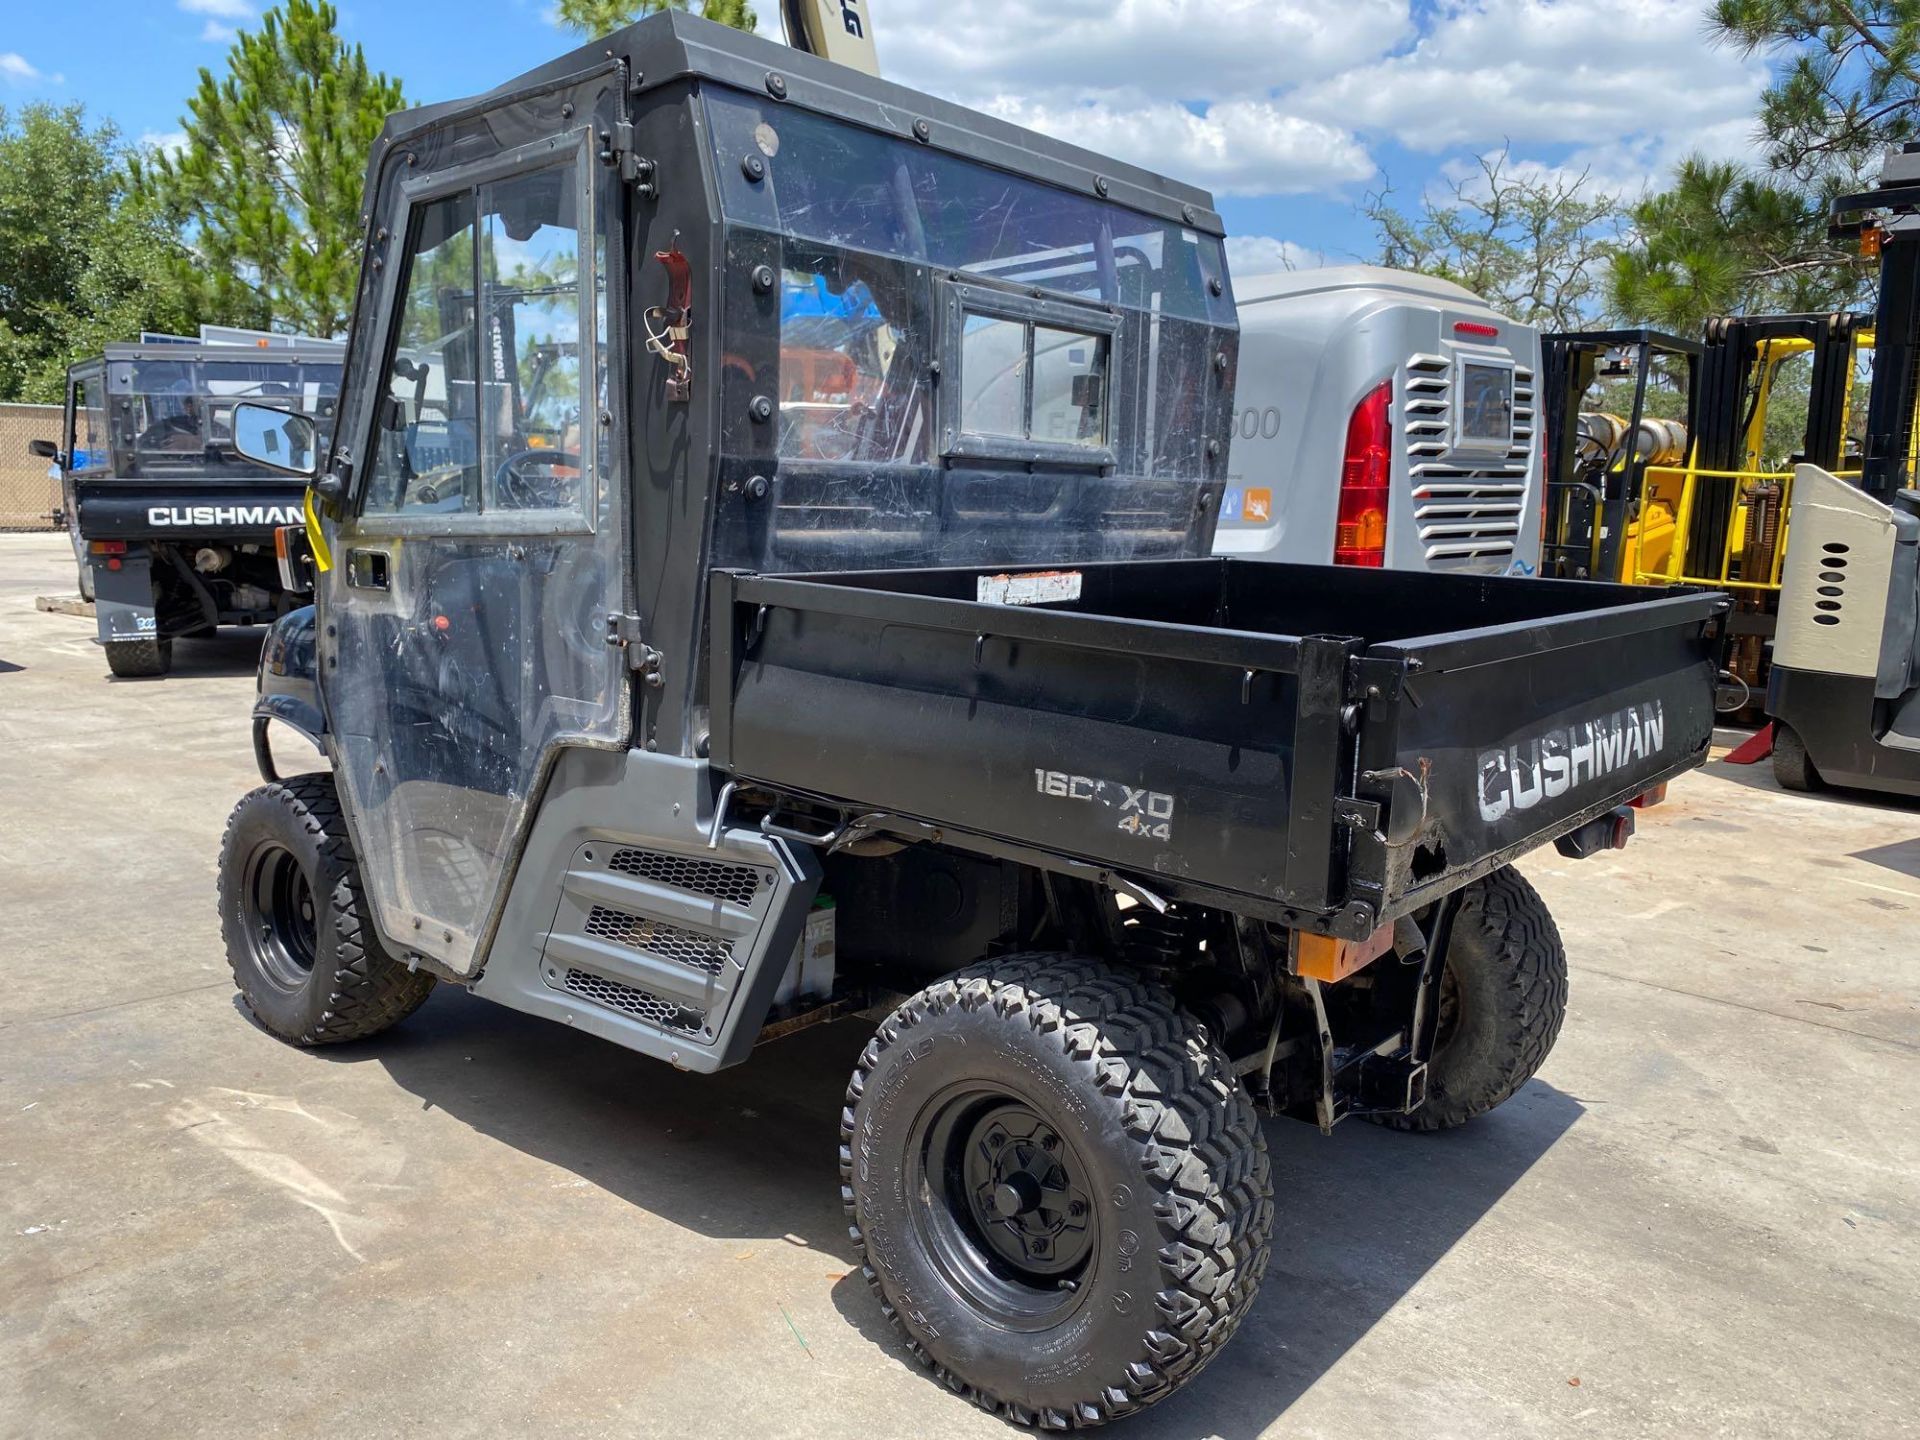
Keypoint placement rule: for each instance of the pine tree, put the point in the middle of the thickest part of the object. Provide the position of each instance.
(602, 17)
(267, 187)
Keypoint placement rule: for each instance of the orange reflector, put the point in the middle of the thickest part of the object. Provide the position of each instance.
(1321, 957)
(1648, 799)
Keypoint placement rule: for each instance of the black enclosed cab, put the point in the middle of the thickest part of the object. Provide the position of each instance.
(1845, 689)
(765, 578)
(173, 528)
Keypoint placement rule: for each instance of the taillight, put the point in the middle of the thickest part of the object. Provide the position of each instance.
(107, 547)
(1366, 472)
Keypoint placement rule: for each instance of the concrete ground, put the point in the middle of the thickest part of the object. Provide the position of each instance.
(1702, 1219)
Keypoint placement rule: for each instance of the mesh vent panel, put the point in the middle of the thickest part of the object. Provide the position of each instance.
(656, 937)
(735, 884)
(629, 1000)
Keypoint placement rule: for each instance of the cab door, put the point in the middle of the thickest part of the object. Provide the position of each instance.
(464, 620)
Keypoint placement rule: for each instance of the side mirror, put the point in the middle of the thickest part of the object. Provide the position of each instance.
(43, 449)
(278, 439)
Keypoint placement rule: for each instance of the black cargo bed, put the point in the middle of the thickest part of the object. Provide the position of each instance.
(1330, 747)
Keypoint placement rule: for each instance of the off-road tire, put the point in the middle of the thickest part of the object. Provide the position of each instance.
(1507, 972)
(1792, 766)
(351, 988)
(139, 659)
(1174, 1165)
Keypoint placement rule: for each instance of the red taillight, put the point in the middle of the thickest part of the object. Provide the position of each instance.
(1478, 331)
(107, 547)
(1366, 472)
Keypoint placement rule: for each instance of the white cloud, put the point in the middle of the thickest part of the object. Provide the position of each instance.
(1236, 147)
(224, 9)
(1176, 50)
(1539, 72)
(164, 142)
(214, 33)
(15, 69)
(1263, 254)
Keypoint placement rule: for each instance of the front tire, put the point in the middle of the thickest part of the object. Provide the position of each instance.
(139, 659)
(1503, 996)
(304, 951)
(1059, 1188)
(1792, 766)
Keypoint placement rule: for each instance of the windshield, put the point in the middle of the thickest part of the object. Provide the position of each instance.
(175, 417)
(969, 365)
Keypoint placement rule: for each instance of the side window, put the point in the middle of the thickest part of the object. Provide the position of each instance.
(534, 395)
(426, 456)
(486, 407)
(88, 446)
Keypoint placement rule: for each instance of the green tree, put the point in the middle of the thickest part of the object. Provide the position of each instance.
(1532, 244)
(82, 262)
(268, 184)
(1846, 84)
(1724, 241)
(602, 17)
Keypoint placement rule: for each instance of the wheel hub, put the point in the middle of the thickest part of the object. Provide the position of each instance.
(1025, 1200)
(281, 917)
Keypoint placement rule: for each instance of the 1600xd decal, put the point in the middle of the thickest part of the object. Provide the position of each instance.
(1521, 776)
(1143, 812)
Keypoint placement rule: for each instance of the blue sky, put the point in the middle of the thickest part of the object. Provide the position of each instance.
(1290, 110)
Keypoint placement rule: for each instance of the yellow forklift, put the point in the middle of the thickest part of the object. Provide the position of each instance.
(1688, 482)
(1844, 692)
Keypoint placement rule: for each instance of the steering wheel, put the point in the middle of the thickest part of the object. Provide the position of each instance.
(519, 484)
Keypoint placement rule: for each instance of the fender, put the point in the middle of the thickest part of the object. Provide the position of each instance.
(288, 686)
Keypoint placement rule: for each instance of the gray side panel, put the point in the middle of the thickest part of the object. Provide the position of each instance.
(1834, 587)
(622, 922)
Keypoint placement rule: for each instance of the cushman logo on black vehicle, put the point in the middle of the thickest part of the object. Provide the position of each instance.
(223, 515)
(1521, 776)
(1143, 812)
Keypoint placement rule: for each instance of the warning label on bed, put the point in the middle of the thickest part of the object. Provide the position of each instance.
(1042, 587)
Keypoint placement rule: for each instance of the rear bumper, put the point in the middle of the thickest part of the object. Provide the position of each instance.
(225, 510)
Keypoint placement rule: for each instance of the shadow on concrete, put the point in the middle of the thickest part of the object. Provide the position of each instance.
(750, 1153)
(1760, 777)
(226, 652)
(1902, 857)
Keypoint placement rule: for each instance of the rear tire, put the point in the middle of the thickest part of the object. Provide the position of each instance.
(304, 951)
(139, 659)
(1059, 1188)
(1502, 999)
(1792, 766)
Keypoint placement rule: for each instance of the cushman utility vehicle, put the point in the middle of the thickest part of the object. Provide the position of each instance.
(173, 528)
(855, 550)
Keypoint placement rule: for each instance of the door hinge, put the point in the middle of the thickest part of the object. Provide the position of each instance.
(624, 632)
(616, 148)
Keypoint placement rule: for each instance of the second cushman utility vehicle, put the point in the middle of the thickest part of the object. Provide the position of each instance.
(855, 550)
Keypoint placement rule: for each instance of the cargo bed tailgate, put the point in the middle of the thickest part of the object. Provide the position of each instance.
(1197, 726)
(1478, 746)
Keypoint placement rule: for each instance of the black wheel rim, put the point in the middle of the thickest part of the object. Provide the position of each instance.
(280, 917)
(1003, 1206)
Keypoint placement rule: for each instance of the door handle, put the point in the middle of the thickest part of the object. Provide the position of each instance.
(368, 569)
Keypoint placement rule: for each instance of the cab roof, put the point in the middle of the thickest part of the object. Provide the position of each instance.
(672, 45)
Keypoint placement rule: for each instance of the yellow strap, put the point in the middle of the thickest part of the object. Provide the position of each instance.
(322, 556)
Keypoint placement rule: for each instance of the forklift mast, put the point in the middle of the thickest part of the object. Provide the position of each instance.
(1886, 219)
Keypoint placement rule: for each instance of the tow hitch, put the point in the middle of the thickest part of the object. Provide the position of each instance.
(1610, 831)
